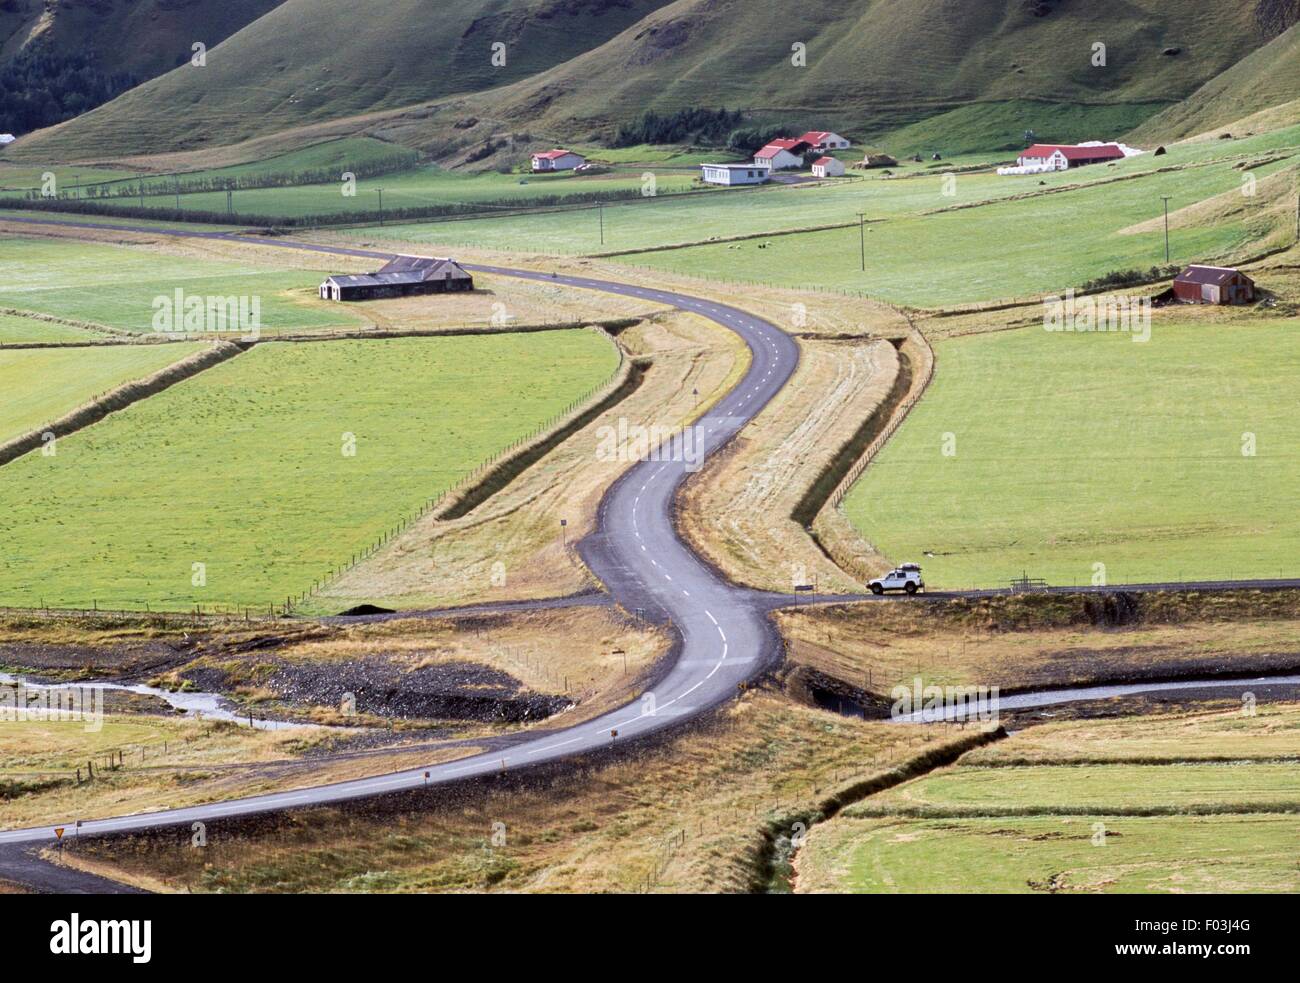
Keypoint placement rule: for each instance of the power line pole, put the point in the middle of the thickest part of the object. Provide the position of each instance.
(600, 208)
(862, 238)
(381, 205)
(1165, 199)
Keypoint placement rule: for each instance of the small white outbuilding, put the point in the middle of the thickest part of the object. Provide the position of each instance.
(828, 167)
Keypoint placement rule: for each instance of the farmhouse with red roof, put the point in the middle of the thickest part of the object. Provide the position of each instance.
(825, 140)
(1060, 157)
(782, 155)
(557, 160)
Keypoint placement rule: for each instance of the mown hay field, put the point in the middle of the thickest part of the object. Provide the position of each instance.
(42, 384)
(1013, 816)
(1174, 459)
(244, 469)
(119, 288)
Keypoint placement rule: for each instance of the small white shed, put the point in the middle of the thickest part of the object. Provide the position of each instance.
(828, 167)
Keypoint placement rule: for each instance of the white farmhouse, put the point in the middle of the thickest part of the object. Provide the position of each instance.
(781, 155)
(824, 140)
(557, 160)
(828, 167)
(732, 174)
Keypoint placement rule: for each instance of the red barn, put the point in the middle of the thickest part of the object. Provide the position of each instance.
(1213, 285)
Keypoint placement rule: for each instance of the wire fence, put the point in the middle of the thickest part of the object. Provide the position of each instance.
(901, 413)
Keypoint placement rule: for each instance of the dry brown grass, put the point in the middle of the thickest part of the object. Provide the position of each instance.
(593, 655)
(1001, 642)
(596, 656)
(795, 311)
(1271, 732)
(738, 510)
(686, 816)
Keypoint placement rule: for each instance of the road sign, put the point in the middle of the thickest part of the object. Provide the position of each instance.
(58, 831)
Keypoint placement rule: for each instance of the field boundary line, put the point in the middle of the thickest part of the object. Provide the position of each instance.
(117, 399)
(494, 474)
(69, 322)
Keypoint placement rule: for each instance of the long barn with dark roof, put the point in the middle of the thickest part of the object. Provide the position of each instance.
(402, 276)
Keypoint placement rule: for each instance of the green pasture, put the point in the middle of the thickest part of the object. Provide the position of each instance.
(42, 384)
(117, 287)
(1173, 459)
(245, 468)
(1098, 854)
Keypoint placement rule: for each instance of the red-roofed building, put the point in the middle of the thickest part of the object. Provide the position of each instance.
(1214, 285)
(1059, 157)
(824, 140)
(557, 160)
(782, 155)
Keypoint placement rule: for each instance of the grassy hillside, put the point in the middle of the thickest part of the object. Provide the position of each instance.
(1264, 79)
(310, 60)
(872, 66)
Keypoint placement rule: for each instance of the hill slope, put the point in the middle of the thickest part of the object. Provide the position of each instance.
(59, 58)
(1264, 79)
(578, 67)
(312, 60)
(143, 38)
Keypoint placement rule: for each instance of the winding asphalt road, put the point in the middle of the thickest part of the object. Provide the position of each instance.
(723, 635)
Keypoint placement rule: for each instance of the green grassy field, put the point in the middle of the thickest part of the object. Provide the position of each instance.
(116, 287)
(26, 177)
(1078, 449)
(18, 330)
(1251, 853)
(914, 253)
(1110, 789)
(242, 467)
(1030, 823)
(997, 251)
(42, 384)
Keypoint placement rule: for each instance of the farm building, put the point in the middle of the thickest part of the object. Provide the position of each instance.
(557, 160)
(782, 155)
(731, 174)
(1213, 285)
(825, 140)
(828, 167)
(401, 277)
(6, 139)
(1060, 157)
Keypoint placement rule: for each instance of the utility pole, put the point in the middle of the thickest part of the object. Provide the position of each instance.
(381, 205)
(1165, 199)
(862, 238)
(600, 209)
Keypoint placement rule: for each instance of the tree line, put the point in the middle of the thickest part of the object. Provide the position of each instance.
(40, 87)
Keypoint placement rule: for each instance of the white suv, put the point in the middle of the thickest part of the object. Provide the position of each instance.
(906, 578)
